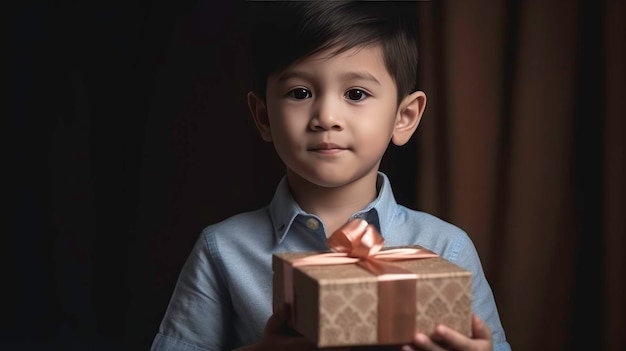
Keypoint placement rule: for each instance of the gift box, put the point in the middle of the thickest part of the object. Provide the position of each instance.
(371, 301)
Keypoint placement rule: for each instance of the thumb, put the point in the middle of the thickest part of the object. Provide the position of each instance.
(278, 319)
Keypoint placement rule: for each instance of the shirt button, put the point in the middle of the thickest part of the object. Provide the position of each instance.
(312, 223)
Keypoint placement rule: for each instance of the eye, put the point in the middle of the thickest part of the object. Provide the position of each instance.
(300, 94)
(356, 94)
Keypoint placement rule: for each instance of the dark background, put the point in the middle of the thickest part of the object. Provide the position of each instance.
(127, 132)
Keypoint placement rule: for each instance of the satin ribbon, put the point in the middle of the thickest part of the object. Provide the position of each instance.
(359, 242)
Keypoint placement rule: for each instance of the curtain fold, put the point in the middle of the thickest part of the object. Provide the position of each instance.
(520, 146)
(614, 289)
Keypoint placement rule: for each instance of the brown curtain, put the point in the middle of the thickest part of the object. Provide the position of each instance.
(522, 146)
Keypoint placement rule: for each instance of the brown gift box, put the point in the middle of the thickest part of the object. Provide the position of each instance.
(339, 305)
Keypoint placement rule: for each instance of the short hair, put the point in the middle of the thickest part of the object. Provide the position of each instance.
(284, 32)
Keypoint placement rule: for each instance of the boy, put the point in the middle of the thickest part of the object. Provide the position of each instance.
(334, 85)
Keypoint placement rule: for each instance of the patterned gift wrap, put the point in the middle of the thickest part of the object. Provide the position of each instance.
(348, 305)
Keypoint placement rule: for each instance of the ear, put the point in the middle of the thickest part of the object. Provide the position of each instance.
(408, 117)
(259, 114)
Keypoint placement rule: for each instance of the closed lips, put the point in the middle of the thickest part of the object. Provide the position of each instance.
(327, 146)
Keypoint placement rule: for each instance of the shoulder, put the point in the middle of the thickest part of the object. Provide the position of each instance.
(244, 228)
(243, 220)
(427, 222)
(425, 229)
(423, 224)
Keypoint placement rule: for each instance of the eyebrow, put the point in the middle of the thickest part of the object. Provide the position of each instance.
(347, 76)
(359, 76)
(293, 74)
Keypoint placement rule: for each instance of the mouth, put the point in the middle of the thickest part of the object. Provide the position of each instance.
(327, 148)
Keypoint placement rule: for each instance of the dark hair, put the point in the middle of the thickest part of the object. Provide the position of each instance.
(284, 32)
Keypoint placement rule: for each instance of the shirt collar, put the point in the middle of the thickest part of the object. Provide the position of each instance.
(380, 212)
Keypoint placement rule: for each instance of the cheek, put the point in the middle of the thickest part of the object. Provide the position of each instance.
(378, 126)
(287, 127)
(290, 117)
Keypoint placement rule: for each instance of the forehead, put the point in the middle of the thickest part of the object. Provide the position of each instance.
(365, 59)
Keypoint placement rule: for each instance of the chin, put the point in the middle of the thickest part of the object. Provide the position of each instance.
(327, 177)
(333, 180)
(329, 184)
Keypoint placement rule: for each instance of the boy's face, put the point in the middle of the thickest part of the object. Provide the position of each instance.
(331, 118)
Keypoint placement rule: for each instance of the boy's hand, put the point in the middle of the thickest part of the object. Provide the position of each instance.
(445, 338)
(279, 336)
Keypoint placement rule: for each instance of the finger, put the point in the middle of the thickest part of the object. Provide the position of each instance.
(298, 343)
(277, 320)
(451, 338)
(422, 341)
(480, 330)
(377, 348)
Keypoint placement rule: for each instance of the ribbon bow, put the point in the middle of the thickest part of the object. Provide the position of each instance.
(359, 242)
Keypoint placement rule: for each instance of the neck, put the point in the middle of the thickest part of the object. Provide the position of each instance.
(334, 205)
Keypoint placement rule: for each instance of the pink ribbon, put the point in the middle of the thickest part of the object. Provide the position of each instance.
(358, 241)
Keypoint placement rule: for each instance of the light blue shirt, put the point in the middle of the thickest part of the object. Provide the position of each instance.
(223, 296)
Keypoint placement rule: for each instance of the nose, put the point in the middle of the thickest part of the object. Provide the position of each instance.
(326, 115)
